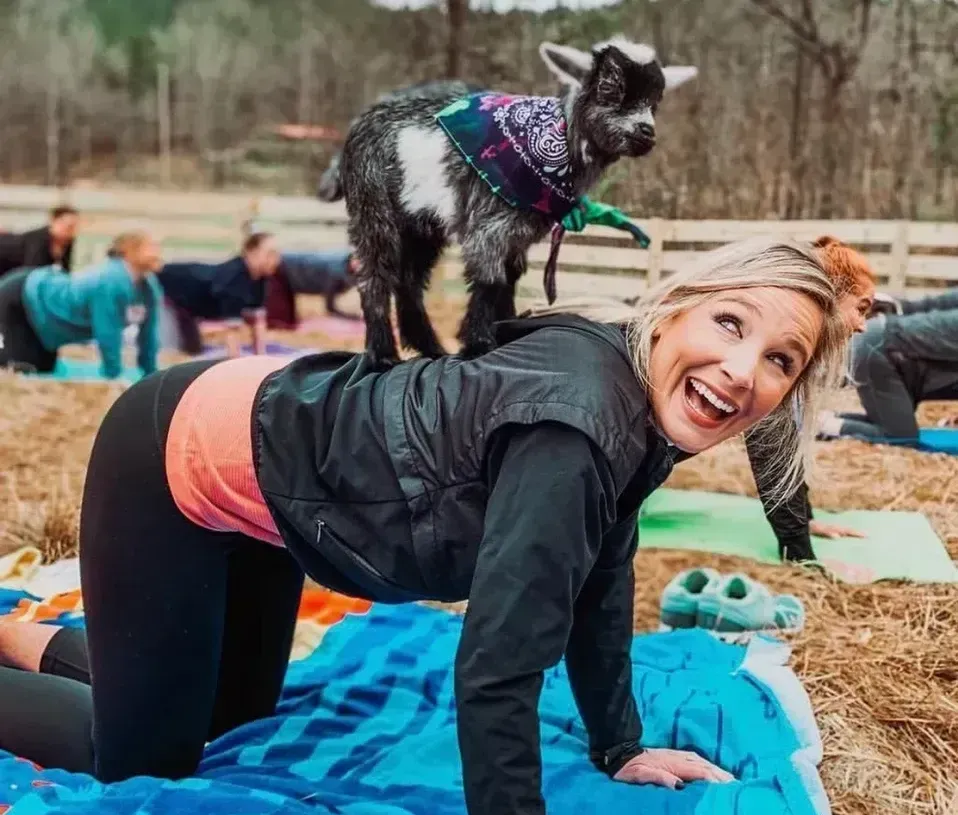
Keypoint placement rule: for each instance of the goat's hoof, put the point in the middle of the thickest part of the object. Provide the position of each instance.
(434, 352)
(381, 362)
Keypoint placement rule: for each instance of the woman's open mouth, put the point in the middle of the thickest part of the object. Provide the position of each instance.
(706, 407)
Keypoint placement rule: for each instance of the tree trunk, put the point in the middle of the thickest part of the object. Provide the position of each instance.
(53, 120)
(829, 182)
(793, 203)
(164, 129)
(456, 11)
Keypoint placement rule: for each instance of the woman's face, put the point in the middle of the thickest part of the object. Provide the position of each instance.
(145, 257)
(725, 364)
(854, 307)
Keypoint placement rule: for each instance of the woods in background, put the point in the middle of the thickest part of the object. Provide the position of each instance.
(802, 108)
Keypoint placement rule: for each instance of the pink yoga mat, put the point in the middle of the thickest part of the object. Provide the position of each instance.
(334, 326)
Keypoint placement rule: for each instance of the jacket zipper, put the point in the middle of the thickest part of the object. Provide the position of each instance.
(352, 555)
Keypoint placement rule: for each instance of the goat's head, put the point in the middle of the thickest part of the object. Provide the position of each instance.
(614, 92)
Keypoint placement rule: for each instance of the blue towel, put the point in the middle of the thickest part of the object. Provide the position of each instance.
(367, 727)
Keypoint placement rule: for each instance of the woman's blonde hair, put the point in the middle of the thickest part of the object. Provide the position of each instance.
(751, 263)
(127, 242)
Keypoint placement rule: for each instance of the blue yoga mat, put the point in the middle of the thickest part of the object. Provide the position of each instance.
(86, 370)
(939, 440)
(367, 726)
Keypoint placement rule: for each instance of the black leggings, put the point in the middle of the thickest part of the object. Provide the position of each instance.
(189, 631)
(20, 347)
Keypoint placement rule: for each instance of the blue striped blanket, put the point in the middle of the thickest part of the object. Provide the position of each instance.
(367, 727)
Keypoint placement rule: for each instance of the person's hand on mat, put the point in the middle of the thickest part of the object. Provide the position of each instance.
(832, 531)
(670, 768)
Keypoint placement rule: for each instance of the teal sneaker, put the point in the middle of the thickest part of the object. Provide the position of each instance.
(680, 600)
(740, 605)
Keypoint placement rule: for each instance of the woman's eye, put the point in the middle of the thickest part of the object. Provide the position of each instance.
(783, 362)
(729, 323)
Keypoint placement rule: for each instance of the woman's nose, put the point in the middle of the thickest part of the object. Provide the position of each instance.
(739, 366)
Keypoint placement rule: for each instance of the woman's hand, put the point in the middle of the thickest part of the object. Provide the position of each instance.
(670, 768)
(832, 531)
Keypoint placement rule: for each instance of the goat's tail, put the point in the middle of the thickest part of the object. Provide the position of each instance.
(330, 183)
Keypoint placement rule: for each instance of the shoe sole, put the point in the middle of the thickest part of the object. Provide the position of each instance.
(726, 627)
(677, 619)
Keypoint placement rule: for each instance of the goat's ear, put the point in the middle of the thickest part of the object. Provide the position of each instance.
(569, 65)
(609, 77)
(676, 75)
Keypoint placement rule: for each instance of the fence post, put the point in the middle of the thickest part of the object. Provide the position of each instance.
(898, 271)
(656, 250)
(248, 224)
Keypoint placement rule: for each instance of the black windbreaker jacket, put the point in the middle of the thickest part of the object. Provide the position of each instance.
(512, 480)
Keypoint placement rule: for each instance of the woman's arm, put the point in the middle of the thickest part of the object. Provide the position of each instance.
(790, 517)
(148, 336)
(598, 655)
(108, 319)
(551, 502)
(255, 318)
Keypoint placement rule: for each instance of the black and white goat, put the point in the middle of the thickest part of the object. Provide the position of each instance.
(330, 186)
(409, 191)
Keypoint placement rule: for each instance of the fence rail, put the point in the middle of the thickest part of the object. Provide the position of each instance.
(908, 256)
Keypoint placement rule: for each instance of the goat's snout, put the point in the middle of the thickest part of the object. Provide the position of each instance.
(642, 139)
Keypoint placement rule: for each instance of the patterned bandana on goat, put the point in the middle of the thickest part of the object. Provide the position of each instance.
(517, 144)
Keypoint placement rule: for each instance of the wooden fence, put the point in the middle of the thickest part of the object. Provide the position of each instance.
(909, 256)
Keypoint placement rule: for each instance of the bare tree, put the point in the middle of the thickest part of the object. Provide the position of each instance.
(456, 12)
(837, 57)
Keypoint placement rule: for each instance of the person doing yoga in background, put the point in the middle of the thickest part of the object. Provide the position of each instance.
(232, 290)
(41, 310)
(50, 245)
(903, 358)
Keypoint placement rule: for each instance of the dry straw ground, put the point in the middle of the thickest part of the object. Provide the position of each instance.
(880, 662)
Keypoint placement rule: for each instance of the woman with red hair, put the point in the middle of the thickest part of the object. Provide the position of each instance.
(791, 516)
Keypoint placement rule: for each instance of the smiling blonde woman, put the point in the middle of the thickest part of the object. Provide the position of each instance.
(512, 480)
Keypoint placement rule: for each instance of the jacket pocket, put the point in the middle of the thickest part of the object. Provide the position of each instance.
(379, 587)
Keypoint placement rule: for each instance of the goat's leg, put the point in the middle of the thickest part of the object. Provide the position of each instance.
(415, 328)
(374, 294)
(420, 253)
(476, 330)
(506, 307)
(376, 237)
(485, 263)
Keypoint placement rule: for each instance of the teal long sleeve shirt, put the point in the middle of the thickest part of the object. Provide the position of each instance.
(95, 304)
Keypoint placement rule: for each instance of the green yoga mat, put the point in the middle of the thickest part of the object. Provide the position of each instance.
(900, 545)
